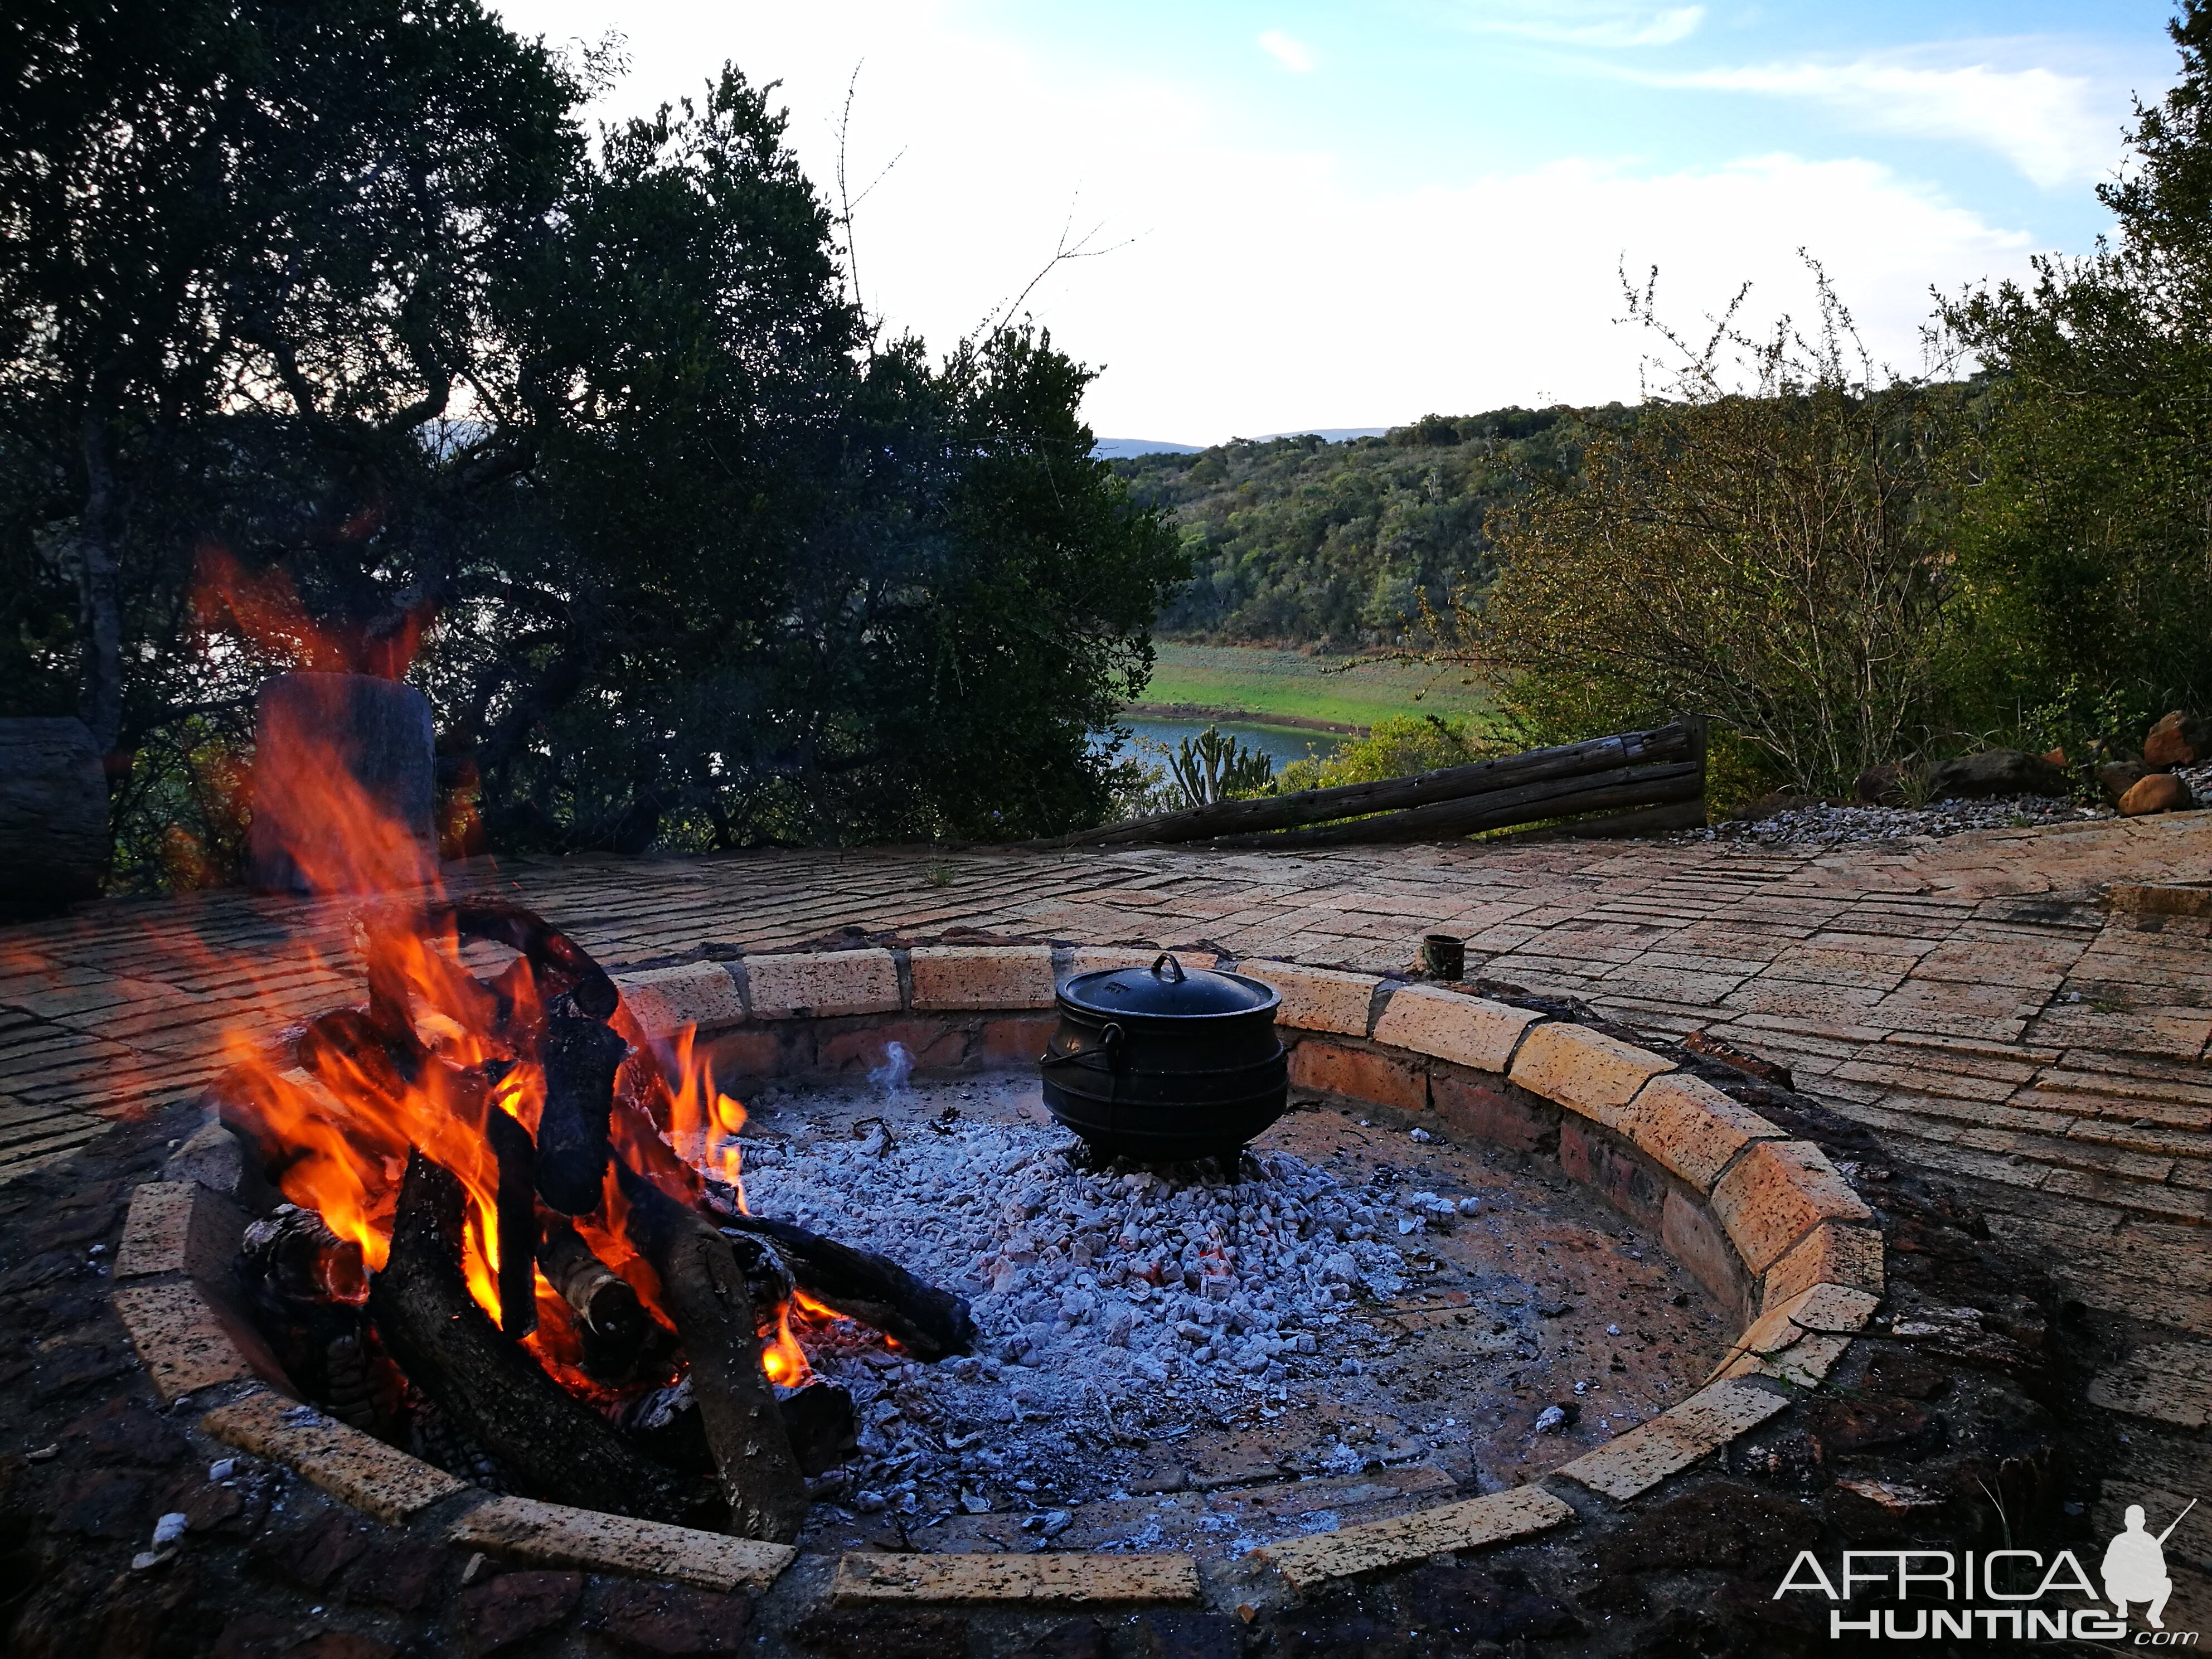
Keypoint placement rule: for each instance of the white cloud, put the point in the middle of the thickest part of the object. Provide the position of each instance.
(1269, 288)
(2057, 129)
(1586, 23)
(1293, 55)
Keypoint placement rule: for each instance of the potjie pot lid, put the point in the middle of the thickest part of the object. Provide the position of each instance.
(1166, 991)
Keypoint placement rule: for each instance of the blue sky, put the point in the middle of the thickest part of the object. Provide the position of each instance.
(1350, 214)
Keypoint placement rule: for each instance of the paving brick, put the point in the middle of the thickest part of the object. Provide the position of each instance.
(1330, 1068)
(1777, 1194)
(1585, 1070)
(1447, 1025)
(983, 977)
(556, 1535)
(178, 1226)
(1691, 1127)
(1474, 1524)
(1693, 1237)
(664, 1000)
(1317, 998)
(1019, 1580)
(185, 1344)
(821, 983)
(352, 1467)
(1634, 1462)
(1492, 1110)
(2170, 1381)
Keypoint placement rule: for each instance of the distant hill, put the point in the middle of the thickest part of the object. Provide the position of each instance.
(1120, 449)
(1299, 540)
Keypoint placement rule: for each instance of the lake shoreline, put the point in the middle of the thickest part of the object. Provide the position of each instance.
(1191, 711)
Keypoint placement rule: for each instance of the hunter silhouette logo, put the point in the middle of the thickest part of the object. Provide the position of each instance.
(2135, 1567)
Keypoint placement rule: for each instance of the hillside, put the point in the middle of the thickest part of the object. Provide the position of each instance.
(1301, 541)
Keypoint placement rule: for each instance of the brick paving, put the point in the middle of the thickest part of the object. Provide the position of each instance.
(1972, 1000)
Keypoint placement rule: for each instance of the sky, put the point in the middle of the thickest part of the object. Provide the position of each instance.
(1307, 216)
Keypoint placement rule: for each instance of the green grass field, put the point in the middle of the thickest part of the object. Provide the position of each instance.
(1260, 682)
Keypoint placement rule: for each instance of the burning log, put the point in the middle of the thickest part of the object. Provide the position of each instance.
(306, 1286)
(704, 1290)
(929, 1323)
(554, 1445)
(581, 1056)
(562, 965)
(615, 1323)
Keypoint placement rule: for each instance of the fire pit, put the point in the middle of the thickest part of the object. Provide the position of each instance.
(495, 1254)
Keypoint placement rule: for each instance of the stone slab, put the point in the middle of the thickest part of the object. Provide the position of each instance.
(664, 1000)
(1473, 1523)
(1830, 1254)
(821, 983)
(2172, 1381)
(1692, 1128)
(352, 1467)
(1585, 1070)
(558, 1535)
(1016, 1580)
(1317, 998)
(981, 976)
(1639, 1459)
(178, 1227)
(1777, 1193)
(1446, 1025)
(185, 1344)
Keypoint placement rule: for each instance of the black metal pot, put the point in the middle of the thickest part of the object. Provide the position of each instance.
(1163, 1066)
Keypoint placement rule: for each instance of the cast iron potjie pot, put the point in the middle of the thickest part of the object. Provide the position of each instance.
(1162, 1066)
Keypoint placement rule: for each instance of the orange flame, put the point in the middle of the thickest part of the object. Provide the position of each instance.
(438, 1049)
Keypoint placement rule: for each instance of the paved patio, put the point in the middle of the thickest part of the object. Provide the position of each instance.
(1973, 1000)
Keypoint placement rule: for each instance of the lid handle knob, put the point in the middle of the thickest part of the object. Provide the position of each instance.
(1166, 958)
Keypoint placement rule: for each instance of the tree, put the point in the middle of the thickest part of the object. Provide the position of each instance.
(329, 336)
(2085, 552)
(1765, 546)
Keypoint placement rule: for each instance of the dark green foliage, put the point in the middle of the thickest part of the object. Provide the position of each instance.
(2085, 552)
(327, 306)
(1305, 541)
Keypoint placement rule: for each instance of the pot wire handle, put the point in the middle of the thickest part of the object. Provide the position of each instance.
(1168, 957)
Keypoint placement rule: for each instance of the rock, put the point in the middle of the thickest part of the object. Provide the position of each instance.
(664, 1620)
(377, 733)
(397, 1572)
(1724, 1524)
(102, 1503)
(2161, 791)
(1315, 1633)
(2115, 778)
(1463, 1605)
(881, 1633)
(1995, 772)
(1189, 1636)
(1848, 1427)
(1078, 1639)
(516, 1604)
(53, 816)
(311, 1552)
(2178, 739)
(2058, 758)
(128, 1434)
(263, 1636)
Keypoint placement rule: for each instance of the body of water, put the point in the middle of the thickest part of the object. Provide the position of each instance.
(1285, 744)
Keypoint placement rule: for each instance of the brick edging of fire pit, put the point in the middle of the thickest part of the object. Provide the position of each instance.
(1764, 1221)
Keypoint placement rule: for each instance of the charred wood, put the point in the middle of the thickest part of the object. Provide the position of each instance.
(818, 1417)
(580, 1056)
(552, 1445)
(613, 1323)
(515, 1215)
(929, 1323)
(704, 1291)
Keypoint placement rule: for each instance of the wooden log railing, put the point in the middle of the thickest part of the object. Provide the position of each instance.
(1641, 782)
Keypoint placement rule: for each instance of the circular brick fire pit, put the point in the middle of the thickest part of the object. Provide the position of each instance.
(1762, 1220)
